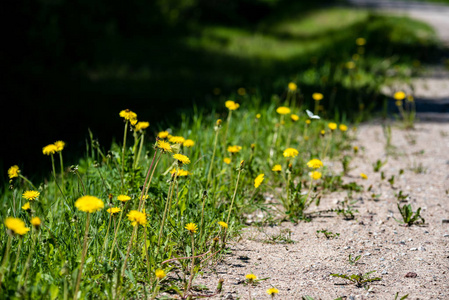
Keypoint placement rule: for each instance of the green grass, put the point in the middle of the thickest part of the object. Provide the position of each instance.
(55, 259)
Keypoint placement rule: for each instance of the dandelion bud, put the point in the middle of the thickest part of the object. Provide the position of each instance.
(253, 146)
(219, 121)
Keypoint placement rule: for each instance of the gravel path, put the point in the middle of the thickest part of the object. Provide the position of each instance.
(303, 268)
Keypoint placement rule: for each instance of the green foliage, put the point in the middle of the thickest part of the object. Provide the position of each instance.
(408, 216)
(378, 165)
(353, 260)
(396, 297)
(360, 280)
(327, 234)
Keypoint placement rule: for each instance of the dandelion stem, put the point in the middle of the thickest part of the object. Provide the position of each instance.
(54, 173)
(62, 170)
(228, 121)
(107, 234)
(27, 181)
(328, 144)
(140, 151)
(116, 230)
(83, 257)
(136, 227)
(192, 266)
(146, 254)
(123, 154)
(167, 204)
(233, 196)
(212, 159)
(149, 181)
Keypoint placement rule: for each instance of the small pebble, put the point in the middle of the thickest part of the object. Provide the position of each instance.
(422, 249)
(402, 242)
(347, 247)
(410, 239)
(367, 254)
(413, 249)
(382, 259)
(395, 232)
(384, 272)
(445, 221)
(446, 235)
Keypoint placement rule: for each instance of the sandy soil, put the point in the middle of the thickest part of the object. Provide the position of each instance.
(304, 267)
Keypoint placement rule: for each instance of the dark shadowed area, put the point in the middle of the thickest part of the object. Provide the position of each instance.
(73, 65)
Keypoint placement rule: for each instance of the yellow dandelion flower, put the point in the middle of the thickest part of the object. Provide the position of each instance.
(160, 274)
(315, 163)
(360, 41)
(315, 175)
(290, 152)
(177, 140)
(49, 149)
(113, 210)
(16, 225)
(180, 172)
(282, 110)
(59, 146)
(292, 86)
(36, 222)
(258, 116)
(356, 149)
(317, 96)
(350, 65)
(234, 149)
(137, 218)
(223, 224)
(162, 134)
(227, 160)
(399, 95)
(277, 168)
(142, 125)
(258, 180)
(218, 122)
(26, 206)
(123, 198)
(188, 143)
(191, 227)
(322, 132)
(343, 127)
(128, 115)
(31, 195)
(231, 105)
(164, 146)
(332, 126)
(133, 121)
(13, 172)
(89, 204)
(308, 121)
(251, 277)
(182, 158)
(363, 175)
(241, 91)
(272, 291)
(294, 117)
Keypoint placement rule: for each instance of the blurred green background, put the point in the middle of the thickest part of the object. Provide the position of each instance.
(73, 65)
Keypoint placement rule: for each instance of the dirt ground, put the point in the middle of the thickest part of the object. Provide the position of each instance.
(386, 247)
